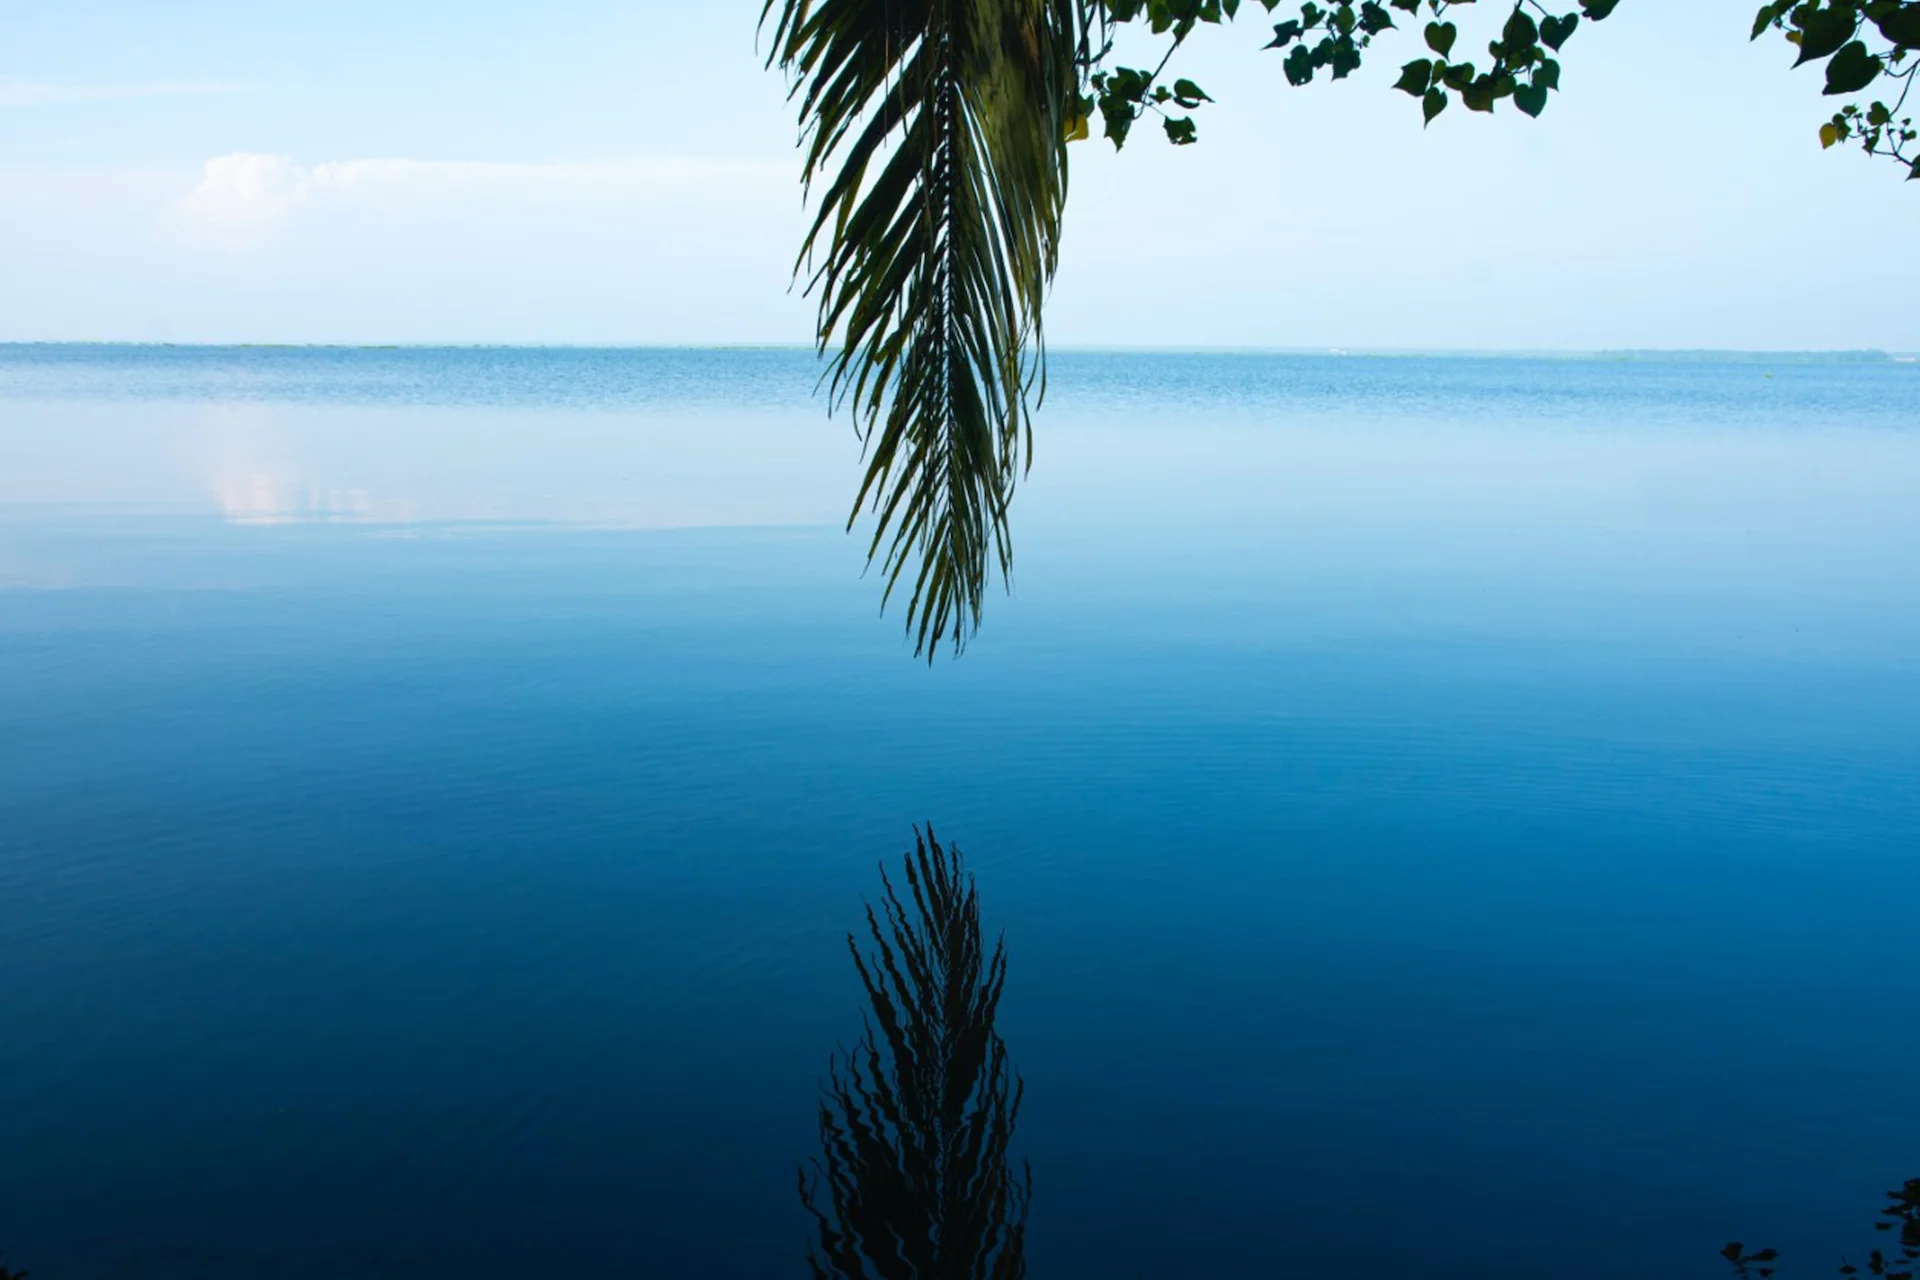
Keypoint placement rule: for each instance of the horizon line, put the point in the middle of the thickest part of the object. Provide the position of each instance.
(1063, 349)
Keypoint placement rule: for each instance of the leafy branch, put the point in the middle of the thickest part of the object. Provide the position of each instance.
(1334, 38)
(1862, 42)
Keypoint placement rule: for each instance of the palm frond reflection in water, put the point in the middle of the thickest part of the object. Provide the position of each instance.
(913, 1181)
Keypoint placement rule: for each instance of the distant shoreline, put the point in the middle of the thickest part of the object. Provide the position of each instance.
(1640, 355)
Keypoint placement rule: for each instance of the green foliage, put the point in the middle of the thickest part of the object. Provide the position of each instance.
(939, 132)
(1334, 38)
(1863, 43)
(939, 129)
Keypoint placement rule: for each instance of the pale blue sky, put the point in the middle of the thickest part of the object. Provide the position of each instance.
(584, 171)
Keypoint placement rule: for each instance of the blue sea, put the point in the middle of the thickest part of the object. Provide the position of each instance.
(1447, 816)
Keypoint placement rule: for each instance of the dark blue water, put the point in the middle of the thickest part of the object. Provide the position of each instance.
(1447, 816)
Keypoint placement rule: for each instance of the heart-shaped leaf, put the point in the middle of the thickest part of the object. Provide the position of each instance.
(1374, 19)
(1531, 98)
(1852, 69)
(1902, 25)
(1554, 31)
(1415, 77)
(1824, 31)
(1433, 104)
(1299, 65)
(1520, 30)
(1440, 37)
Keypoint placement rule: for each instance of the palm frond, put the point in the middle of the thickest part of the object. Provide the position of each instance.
(943, 124)
(915, 1121)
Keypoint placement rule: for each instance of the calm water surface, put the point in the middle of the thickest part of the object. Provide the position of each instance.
(1455, 815)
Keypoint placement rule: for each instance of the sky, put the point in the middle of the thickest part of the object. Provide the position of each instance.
(592, 172)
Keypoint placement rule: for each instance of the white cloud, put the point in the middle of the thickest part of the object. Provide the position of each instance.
(27, 93)
(245, 189)
(248, 191)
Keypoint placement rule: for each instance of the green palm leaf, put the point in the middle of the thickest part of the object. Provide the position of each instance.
(944, 123)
